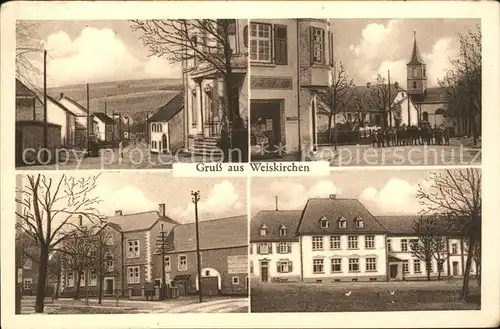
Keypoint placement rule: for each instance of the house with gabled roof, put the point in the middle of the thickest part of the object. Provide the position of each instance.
(223, 245)
(105, 126)
(81, 125)
(166, 126)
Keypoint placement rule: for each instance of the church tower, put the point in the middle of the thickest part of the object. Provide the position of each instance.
(416, 75)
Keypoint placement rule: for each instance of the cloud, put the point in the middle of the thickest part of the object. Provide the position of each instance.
(223, 198)
(98, 55)
(397, 196)
(128, 199)
(438, 61)
(376, 37)
(292, 195)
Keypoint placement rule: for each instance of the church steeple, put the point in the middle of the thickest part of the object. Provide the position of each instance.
(416, 76)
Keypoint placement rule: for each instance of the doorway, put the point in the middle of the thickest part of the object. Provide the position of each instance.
(109, 286)
(264, 273)
(265, 118)
(164, 143)
(210, 286)
(455, 268)
(394, 271)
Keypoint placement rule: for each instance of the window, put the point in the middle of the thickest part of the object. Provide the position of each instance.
(352, 242)
(167, 264)
(416, 266)
(389, 245)
(250, 249)
(370, 242)
(82, 279)
(284, 266)
(406, 268)
(28, 264)
(335, 242)
(235, 280)
(330, 48)
(342, 222)
(280, 45)
(414, 84)
(263, 230)
(317, 243)
(182, 265)
(110, 265)
(265, 248)
(27, 284)
(93, 253)
(371, 264)
(454, 249)
(317, 266)
(425, 116)
(133, 275)
(413, 244)
(194, 106)
(251, 267)
(336, 265)
(404, 245)
(260, 42)
(152, 145)
(414, 72)
(317, 45)
(440, 265)
(284, 248)
(323, 222)
(283, 230)
(133, 249)
(70, 279)
(93, 279)
(160, 128)
(353, 264)
(153, 127)
(359, 222)
(245, 36)
(423, 71)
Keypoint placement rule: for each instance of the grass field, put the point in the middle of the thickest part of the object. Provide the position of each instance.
(322, 297)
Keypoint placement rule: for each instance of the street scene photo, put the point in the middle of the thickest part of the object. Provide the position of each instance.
(360, 92)
(130, 94)
(354, 241)
(129, 243)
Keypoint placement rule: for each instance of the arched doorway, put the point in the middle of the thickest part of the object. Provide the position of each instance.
(425, 116)
(164, 143)
(211, 281)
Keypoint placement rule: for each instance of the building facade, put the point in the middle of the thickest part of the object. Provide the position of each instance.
(290, 61)
(166, 126)
(204, 90)
(335, 240)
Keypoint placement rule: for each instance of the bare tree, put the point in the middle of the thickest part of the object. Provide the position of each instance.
(360, 103)
(27, 41)
(205, 40)
(48, 211)
(462, 84)
(381, 98)
(423, 247)
(102, 260)
(457, 193)
(440, 252)
(337, 96)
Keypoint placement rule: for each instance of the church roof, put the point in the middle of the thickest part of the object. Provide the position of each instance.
(415, 55)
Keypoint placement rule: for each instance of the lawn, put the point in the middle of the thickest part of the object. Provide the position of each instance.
(364, 296)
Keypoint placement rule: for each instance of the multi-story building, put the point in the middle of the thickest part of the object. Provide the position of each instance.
(290, 61)
(223, 245)
(334, 240)
(204, 89)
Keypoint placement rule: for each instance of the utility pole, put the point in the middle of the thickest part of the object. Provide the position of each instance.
(128, 126)
(276, 202)
(334, 105)
(163, 276)
(196, 198)
(114, 124)
(88, 120)
(45, 134)
(390, 99)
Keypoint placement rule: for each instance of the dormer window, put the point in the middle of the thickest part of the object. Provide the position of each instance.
(359, 222)
(263, 230)
(282, 230)
(342, 222)
(323, 222)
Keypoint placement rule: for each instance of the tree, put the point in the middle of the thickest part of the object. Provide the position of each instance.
(337, 96)
(439, 252)
(381, 98)
(48, 210)
(360, 102)
(102, 260)
(462, 84)
(456, 193)
(208, 42)
(423, 247)
(27, 41)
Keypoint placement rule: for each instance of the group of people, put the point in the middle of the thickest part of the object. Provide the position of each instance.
(410, 135)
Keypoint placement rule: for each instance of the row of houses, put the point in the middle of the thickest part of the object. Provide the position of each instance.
(134, 257)
(334, 240)
(68, 122)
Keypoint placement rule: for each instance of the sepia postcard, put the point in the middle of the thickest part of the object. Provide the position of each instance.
(249, 164)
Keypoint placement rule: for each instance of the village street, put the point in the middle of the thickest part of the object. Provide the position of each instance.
(188, 304)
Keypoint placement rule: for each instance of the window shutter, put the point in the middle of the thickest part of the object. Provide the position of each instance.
(323, 50)
(270, 247)
(330, 47)
(311, 37)
(278, 248)
(290, 269)
(278, 267)
(280, 45)
(245, 36)
(258, 248)
(289, 247)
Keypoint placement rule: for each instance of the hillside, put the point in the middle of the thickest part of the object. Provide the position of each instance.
(132, 98)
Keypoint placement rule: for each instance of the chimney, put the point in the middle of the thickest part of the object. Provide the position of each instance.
(61, 95)
(118, 213)
(161, 209)
(368, 84)
(333, 196)
(80, 220)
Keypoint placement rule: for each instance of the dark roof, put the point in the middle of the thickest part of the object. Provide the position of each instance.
(365, 91)
(405, 224)
(214, 234)
(23, 90)
(273, 220)
(138, 221)
(169, 110)
(55, 101)
(333, 209)
(431, 95)
(415, 55)
(103, 117)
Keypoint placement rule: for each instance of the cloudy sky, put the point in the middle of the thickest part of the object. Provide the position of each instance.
(368, 47)
(97, 51)
(136, 192)
(386, 193)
